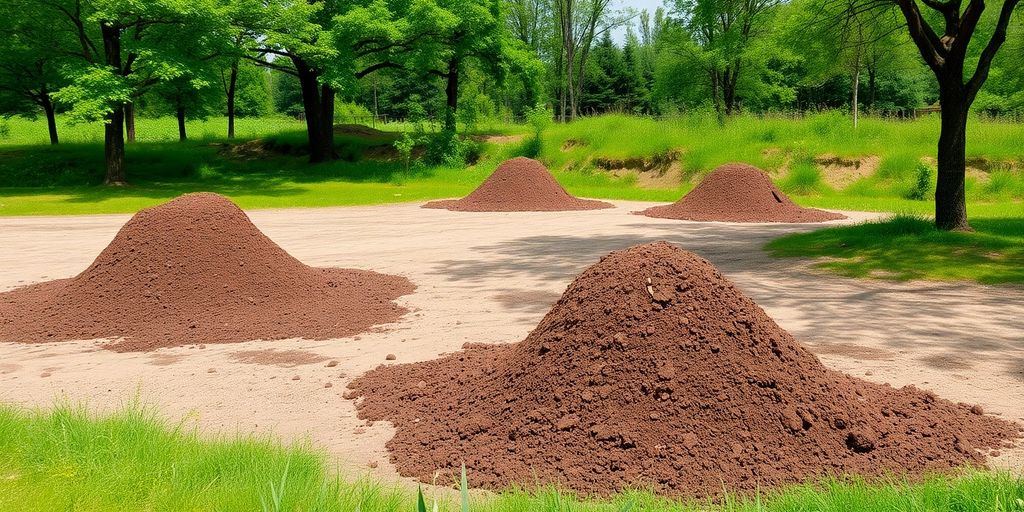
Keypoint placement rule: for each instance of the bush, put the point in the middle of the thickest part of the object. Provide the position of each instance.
(539, 117)
(352, 113)
(922, 183)
(404, 146)
(447, 148)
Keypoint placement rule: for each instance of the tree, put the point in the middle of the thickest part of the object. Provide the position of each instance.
(432, 38)
(578, 23)
(29, 64)
(252, 91)
(959, 84)
(122, 49)
(299, 33)
(723, 32)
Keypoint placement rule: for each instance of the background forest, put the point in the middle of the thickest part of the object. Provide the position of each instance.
(473, 59)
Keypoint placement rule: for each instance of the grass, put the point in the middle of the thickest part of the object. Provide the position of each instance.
(66, 459)
(906, 247)
(788, 146)
(65, 179)
(27, 132)
(37, 179)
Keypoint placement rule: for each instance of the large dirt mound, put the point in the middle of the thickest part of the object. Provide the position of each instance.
(738, 193)
(196, 270)
(519, 185)
(653, 369)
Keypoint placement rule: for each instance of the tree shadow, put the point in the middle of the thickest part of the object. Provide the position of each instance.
(967, 323)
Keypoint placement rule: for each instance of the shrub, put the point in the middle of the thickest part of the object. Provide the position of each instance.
(352, 113)
(922, 183)
(404, 146)
(447, 148)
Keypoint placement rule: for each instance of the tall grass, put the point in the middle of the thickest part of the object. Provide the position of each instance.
(773, 142)
(67, 459)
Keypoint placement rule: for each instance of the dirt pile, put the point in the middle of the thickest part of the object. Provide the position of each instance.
(738, 193)
(196, 270)
(519, 185)
(653, 369)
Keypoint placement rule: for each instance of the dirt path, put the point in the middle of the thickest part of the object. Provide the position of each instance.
(490, 277)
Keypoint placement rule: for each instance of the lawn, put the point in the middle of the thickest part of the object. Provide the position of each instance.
(67, 459)
(907, 247)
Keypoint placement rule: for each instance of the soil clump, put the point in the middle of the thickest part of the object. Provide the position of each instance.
(196, 270)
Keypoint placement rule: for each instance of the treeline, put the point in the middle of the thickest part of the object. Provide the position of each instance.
(458, 61)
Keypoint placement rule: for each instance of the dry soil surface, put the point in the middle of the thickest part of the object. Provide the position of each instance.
(491, 277)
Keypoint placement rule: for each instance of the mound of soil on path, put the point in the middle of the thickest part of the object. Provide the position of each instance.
(519, 185)
(738, 193)
(653, 369)
(196, 270)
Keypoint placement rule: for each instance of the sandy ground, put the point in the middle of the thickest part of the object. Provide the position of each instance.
(490, 277)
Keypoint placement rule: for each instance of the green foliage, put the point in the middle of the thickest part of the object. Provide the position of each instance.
(352, 113)
(253, 93)
(93, 93)
(924, 176)
(421, 505)
(404, 145)
(449, 149)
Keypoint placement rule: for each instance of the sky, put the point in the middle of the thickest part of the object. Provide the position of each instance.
(619, 34)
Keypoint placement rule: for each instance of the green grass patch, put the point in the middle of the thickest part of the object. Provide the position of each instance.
(907, 247)
(67, 459)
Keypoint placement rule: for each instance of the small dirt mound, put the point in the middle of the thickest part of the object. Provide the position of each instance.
(653, 369)
(519, 185)
(196, 270)
(738, 193)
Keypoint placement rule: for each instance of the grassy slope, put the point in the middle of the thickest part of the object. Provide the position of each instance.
(64, 459)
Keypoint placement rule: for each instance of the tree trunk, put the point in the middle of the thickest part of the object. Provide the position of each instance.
(871, 89)
(854, 99)
(113, 132)
(129, 120)
(311, 106)
(729, 91)
(232, 80)
(113, 147)
(950, 201)
(451, 92)
(51, 116)
(716, 96)
(182, 136)
(326, 140)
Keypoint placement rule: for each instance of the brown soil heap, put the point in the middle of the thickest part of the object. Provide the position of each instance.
(653, 369)
(519, 185)
(738, 193)
(196, 270)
